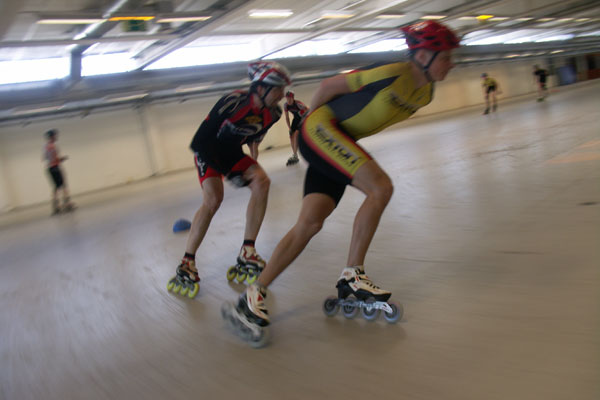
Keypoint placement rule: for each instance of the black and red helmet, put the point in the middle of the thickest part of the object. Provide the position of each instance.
(430, 35)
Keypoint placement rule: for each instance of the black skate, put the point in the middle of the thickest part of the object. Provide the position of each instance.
(249, 266)
(357, 292)
(292, 161)
(185, 282)
(249, 319)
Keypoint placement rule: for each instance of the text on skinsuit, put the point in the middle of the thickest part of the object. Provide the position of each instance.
(341, 152)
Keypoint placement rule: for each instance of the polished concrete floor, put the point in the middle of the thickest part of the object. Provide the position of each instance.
(491, 242)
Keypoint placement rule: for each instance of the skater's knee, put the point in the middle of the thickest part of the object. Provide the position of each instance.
(308, 228)
(383, 190)
(261, 182)
(213, 203)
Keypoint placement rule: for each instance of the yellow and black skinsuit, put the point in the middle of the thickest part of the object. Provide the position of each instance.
(380, 97)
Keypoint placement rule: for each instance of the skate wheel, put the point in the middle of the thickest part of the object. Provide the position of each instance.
(232, 272)
(177, 287)
(349, 310)
(256, 339)
(369, 312)
(241, 277)
(171, 284)
(330, 306)
(193, 291)
(395, 315)
(184, 290)
(252, 277)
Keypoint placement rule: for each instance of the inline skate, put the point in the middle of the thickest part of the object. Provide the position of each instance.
(357, 292)
(185, 282)
(249, 319)
(249, 266)
(292, 160)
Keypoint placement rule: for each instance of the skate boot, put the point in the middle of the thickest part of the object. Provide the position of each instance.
(487, 111)
(291, 161)
(356, 291)
(494, 108)
(55, 207)
(249, 318)
(68, 205)
(249, 266)
(185, 282)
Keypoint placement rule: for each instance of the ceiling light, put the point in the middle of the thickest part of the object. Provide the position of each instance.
(183, 19)
(545, 19)
(484, 17)
(556, 51)
(525, 19)
(270, 13)
(335, 14)
(389, 16)
(565, 19)
(499, 18)
(433, 16)
(582, 19)
(125, 96)
(133, 18)
(193, 87)
(70, 21)
(39, 109)
(467, 18)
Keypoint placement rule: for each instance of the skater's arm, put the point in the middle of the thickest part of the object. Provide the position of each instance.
(330, 88)
(253, 146)
(287, 119)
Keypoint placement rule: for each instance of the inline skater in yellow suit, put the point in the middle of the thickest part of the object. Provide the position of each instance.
(347, 108)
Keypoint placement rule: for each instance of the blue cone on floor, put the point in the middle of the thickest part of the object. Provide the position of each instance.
(181, 225)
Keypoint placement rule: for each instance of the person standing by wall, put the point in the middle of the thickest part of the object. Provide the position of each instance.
(53, 160)
(541, 75)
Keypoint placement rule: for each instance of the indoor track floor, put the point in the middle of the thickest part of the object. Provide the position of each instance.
(491, 242)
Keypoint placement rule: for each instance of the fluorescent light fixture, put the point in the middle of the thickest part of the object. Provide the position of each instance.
(499, 18)
(125, 96)
(389, 16)
(40, 109)
(335, 14)
(194, 87)
(270, 13)
(556, 51)
(133, 18)
(467, 18)
(565, 19)
(484, 17)
(347, 71)
(433, 16)
(183, 19)
(582, 19)
(523, 19)
(545, 19)
(511, 56)
(69, 21)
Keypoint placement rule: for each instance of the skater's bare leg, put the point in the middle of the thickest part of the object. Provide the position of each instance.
(377, 186)
(212, 189)
(294, 142)
(316, 207)
(255, 213)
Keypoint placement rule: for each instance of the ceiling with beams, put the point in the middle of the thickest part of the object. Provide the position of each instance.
(148, 31)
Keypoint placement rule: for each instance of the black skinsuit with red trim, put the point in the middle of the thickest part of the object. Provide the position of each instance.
(232, 122)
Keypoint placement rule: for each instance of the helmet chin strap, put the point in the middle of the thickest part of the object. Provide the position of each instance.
(425, 68)
(264, 96)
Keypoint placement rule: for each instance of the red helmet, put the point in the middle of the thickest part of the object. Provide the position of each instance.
(430, 35)
(289, 93)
